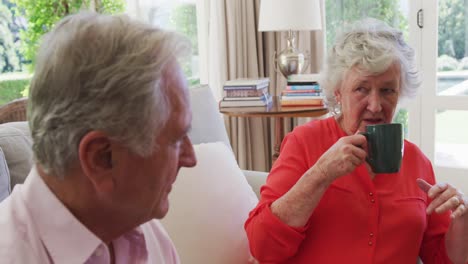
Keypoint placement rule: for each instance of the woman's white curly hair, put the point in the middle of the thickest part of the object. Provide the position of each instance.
(372, 46)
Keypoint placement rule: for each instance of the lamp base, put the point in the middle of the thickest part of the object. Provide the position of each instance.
(291, 60)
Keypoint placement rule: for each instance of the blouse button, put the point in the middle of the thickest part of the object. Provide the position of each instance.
(370, 194)
(370, 243)
(371, 234)
(372, 201)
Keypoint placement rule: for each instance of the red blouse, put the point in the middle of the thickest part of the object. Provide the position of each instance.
(358, 220)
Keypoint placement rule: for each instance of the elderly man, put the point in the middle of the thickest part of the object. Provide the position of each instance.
(109, 115)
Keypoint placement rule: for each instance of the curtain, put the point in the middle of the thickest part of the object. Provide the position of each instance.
(236, 49)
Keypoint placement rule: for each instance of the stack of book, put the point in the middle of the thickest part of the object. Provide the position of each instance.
(246, 92)
(302, 90)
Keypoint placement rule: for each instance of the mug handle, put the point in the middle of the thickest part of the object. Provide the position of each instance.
(369, 154)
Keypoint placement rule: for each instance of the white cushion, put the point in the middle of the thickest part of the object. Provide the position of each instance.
(208, 207)
(15, 141)
(4, 177)
(207, 121)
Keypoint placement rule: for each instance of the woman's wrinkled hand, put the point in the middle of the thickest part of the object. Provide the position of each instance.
(343, 157)
(444, 197)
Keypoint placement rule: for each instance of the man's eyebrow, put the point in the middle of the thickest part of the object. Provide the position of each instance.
(390, 82)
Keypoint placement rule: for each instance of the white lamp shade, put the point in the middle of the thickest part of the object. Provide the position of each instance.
(284, 15)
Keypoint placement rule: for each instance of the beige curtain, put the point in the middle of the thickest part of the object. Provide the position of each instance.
(248, 53)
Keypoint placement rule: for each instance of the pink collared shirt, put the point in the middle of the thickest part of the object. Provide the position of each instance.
(35, 227)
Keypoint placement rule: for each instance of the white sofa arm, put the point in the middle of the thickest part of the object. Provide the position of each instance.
(256, 179)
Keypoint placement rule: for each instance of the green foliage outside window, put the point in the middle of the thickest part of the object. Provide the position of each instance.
(446, 63)
(43, 14)
(11, 86)
(184, 19)
(9, 58)
(453, 28)
(402, 117)
(339, 12)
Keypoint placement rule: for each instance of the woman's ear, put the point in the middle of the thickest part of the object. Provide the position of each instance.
(338, 95)
(95, 155)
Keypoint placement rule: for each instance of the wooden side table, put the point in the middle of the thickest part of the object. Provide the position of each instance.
(276, 111)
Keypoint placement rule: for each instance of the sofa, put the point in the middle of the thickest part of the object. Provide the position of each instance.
(209, 203)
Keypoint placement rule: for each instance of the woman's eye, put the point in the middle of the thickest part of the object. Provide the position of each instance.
(388, 91)
(361, 89)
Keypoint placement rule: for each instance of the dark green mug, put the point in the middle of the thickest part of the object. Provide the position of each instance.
(384, 147)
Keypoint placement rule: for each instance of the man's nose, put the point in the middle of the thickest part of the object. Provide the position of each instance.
(188, 158)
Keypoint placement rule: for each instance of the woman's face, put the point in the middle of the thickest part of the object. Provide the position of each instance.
(367, 99)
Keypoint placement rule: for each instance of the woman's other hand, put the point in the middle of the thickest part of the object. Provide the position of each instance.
(343, 157)
(444, 197)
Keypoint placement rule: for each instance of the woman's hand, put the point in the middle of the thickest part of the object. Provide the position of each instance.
(343, 157)
(444, 197)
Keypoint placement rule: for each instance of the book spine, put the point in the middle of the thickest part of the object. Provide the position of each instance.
(238, 87)
(245, 93)
(240, 82)
(313, 77)
(303, 87)
(245, 98)
(224, 103)
(244, 87)
(302, 97)
(301, 83)
(317, 101)
(301, 94)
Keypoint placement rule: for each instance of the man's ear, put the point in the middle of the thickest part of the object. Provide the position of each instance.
(95, 154)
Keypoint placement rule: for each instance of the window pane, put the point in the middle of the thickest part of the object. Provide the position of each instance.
(452, 61)
(177, 15)
(13, 67)
(339, 12)
(402, 118)
(451, 138)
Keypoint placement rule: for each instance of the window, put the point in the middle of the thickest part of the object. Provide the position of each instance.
(444, 100)
(13, 69)
(177, 15)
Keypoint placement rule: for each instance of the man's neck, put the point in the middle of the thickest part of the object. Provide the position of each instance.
(79, 197)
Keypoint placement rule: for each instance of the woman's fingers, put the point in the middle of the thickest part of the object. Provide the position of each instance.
(449, 204)
(344, 156)
(442, 199)
(360, 154)
(437, 189)
(423, 185)
(445, 197)
(461, 209)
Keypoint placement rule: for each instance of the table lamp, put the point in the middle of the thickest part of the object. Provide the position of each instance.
(290, 16)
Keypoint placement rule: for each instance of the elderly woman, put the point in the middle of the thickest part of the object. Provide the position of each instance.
(323, 204)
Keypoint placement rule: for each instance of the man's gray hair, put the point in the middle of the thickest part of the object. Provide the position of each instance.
(103, 73)
(371, 46)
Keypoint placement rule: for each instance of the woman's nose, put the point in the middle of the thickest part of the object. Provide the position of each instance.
(374, 103)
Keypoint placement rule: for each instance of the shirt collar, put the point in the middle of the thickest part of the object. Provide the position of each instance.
(65, 238)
